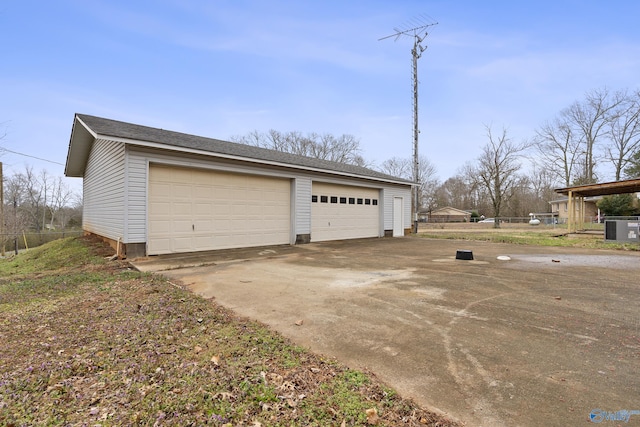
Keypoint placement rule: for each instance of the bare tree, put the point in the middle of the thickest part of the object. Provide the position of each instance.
(624, 132)
(16, 219)
(497, 169)
(591, 118)
(520, 201)
(342, 149)
(46, 183)
(35, 200)
(70, 214)
(559, 146)
(35, 197)
(459, 191)
(542, 182)
(603, 126)
(396, 166)
(427, 177)
(633, 167)
(61, 196)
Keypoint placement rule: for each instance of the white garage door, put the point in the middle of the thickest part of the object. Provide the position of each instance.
(344, 212)
(196, 210)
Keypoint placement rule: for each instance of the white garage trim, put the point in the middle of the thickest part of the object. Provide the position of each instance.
(344, 212)
(197, 209)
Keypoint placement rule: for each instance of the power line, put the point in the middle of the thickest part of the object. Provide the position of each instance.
(28, 155)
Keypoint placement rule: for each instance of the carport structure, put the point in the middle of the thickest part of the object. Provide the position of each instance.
(576, 195)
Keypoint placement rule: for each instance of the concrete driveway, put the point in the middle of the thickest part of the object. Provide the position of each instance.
(541, 339)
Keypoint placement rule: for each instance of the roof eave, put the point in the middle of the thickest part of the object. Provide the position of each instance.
(158, 145)
(80, 143)
(602, 189)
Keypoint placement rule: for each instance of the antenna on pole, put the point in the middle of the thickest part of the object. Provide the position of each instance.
(417, 28)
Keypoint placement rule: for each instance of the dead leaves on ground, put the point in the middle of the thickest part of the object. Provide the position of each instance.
(124, 346)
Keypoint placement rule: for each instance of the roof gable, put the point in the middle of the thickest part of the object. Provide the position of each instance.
(86, 125)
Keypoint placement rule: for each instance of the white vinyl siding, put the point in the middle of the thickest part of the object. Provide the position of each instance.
(398, 217)
(388, 194)
(303, 205)
(104, 190)
(136, 179)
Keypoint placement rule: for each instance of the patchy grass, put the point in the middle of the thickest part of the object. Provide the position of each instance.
(520, 237)
(58, 255)
(90, 342)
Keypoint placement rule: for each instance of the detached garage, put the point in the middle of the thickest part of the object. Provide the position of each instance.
(149, 191)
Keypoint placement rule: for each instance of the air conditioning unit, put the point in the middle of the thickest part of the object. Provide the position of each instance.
(620, 230)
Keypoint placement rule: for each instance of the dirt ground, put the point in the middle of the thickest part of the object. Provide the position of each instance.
(541, 339)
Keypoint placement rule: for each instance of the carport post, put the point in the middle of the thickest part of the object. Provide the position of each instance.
(582, 213)
(570, 213)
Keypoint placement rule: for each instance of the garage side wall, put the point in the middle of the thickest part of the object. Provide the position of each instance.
(389, 193)
(136, 200)
(103, 189)
(302, 209)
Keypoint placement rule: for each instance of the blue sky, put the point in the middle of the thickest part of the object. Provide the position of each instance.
(226, 68)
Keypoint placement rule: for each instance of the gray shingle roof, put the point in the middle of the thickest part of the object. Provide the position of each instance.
(117, 129)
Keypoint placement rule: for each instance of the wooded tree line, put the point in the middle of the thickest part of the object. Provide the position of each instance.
(600, 132)
(343, 149)
(464, 190)
(38, 201)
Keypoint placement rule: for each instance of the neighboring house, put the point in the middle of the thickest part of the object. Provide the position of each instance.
(448, 214)
(150, 191)
(560, 208)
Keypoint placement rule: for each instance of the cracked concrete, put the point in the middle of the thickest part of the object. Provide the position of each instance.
(541, 339)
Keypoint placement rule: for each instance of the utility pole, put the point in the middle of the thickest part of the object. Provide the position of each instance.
(416, 28)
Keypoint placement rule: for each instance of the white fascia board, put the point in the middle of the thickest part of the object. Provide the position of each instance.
(82, 137)
(244, 159)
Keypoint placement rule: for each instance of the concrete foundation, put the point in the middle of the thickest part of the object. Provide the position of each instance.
(302, 239)
(123, 250)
